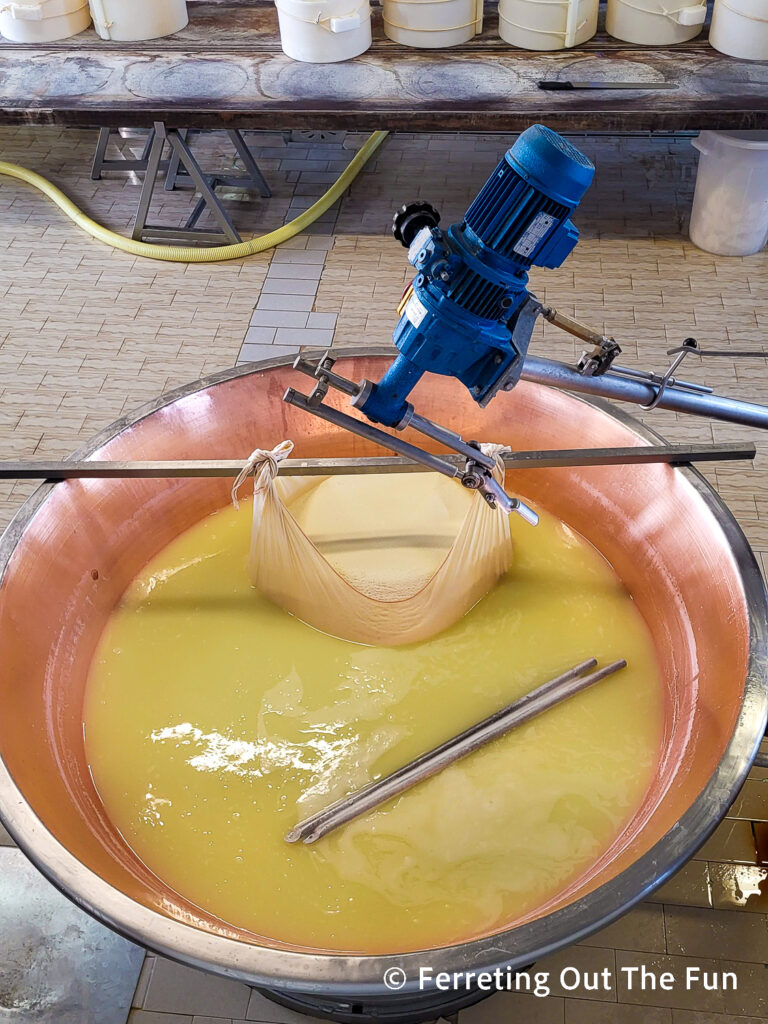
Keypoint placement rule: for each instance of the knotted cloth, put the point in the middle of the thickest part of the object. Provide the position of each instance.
(380, 559)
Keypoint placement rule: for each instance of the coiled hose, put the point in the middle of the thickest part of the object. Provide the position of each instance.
(215, 254)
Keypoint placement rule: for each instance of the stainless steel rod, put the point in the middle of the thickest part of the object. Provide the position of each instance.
(371, 433)
(40, 469)
(310, 823)
(638, 392)
(386, 789)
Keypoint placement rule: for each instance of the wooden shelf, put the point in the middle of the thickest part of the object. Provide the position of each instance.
(226, 69)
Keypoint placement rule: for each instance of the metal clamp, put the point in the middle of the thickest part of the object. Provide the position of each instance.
(668, 379)
(477, 473)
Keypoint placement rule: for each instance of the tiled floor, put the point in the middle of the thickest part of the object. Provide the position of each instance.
(87, 333)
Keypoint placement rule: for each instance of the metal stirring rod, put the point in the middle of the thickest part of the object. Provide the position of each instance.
(672, 454)
(308, 824)
(523, 710)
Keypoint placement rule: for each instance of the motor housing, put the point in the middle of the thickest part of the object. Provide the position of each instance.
(468, 313)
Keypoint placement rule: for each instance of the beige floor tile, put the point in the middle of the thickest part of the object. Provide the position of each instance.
(515, 1008)
(751, 997)
(149, 1017)
(688, 1017)
(588, 1012)
(733, 840)
(717, 934)
(752, 801)
(642, 928)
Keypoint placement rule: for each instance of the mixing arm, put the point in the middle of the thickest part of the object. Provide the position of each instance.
(468, 314)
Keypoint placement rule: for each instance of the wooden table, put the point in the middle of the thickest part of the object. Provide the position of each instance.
(226, 69)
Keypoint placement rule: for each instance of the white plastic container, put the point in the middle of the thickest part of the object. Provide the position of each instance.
(656, 22)
(129, 20)
(740, 28)
(730, 205)
(44, 21)
(547, 24)
(324, 31)
(432, 24)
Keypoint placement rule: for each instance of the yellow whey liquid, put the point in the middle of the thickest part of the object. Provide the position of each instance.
(214, 722)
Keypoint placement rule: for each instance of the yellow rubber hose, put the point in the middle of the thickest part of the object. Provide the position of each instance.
(215, 254)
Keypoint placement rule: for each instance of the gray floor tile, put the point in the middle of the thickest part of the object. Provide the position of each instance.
(306, 256)
(288, 336)
(5, 839)
(174, 988)
(306, 271)
(327, 321)
(260, 335)
(279, 318)
(254, 353)
(288, 303)
(267, 1012)
(143, 983)
(288, 286)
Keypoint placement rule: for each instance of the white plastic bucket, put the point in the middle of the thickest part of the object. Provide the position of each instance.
(547, 24)
(432, 24)
(655, 22)
(740, 28)
(44, 21)
(324, 31)
(730, 205)
(128, 20)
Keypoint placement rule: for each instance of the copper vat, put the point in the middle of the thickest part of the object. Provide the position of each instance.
(666, 532)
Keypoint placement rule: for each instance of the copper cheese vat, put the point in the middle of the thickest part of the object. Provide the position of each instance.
(666, 532)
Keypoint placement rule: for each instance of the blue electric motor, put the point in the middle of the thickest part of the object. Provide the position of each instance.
(468, 313)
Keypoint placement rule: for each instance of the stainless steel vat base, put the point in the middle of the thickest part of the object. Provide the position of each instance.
(390, 1009)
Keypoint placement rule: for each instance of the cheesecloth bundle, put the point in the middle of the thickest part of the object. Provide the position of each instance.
(372, 558)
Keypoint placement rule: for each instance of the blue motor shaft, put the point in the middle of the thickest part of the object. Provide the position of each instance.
(471, 287)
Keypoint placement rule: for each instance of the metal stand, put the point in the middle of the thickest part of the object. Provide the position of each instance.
(206, 184)
(101, 163)
(182, 170)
